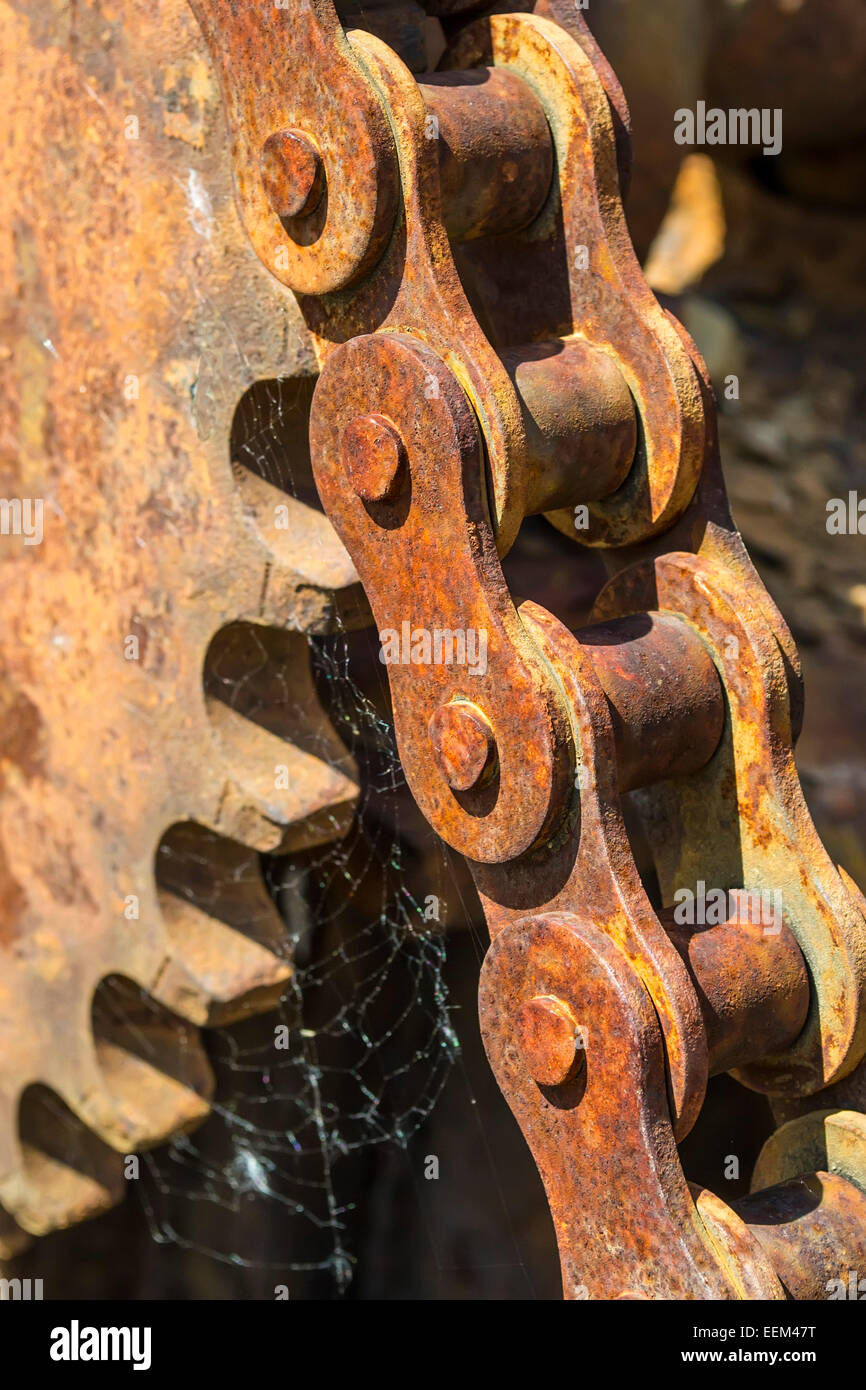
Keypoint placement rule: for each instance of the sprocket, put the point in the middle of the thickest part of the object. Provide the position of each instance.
(144, 761)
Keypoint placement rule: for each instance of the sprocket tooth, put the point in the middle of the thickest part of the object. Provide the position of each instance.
(217, 974)
(46, 1194)
(229, 953)
(155, 1071)
(303, 542)
(266, 674)
(13, 1240)
(66, 1173)
(280, 797)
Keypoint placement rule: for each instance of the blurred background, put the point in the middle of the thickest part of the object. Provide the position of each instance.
(318, 1177)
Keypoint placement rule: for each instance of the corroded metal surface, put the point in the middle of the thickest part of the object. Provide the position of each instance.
(605, 1132)
(813, 1230)
(578, 271)
(744, 814)
(489, 348)
(442, 508)
(822, 1140)
(495, 151)
(666, 700)
(134, 315)
(589, 870)
(751, 981)
(686, 687)
(292, 69)
(581, 424)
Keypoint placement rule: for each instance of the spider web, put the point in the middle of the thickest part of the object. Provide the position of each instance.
(358, 1051)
